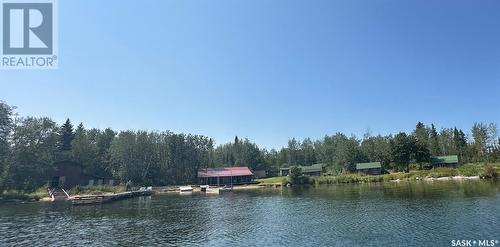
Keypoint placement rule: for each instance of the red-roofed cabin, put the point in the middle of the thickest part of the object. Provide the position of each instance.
(224, 175)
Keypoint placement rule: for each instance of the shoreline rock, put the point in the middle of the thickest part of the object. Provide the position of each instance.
(451, 178)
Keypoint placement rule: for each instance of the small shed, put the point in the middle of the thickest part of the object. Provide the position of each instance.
(370, 168)
(444, 161)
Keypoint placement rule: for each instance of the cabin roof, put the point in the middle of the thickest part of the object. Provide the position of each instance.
(224, 172)
(369, 165)
(449, 159)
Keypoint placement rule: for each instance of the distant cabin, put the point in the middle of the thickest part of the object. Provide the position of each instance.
(312, 170)
(68, 174)
(444, 161)
(225, 175)
(370, 168)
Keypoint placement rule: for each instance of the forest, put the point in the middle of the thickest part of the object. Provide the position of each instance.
(30, 147)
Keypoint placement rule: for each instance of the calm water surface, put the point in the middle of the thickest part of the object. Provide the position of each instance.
(383, 214)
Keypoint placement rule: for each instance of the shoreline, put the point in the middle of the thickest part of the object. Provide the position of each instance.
(275, 185)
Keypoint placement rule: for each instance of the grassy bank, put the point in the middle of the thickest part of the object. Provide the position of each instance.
(272, 180)
(96, 190)
(14, 195)
(468, 170)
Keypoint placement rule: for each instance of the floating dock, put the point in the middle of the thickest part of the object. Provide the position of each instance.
(99, 199)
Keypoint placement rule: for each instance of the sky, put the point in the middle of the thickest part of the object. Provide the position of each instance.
(268, 70)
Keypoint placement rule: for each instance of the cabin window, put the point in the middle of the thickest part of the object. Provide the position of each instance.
(91, 182)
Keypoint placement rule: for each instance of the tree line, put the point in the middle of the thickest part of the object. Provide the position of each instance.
(31, 146)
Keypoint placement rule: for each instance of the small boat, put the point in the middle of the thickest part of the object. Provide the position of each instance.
(226, 188)
(203, 188)
(185, 188)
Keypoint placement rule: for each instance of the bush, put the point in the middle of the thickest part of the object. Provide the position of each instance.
(17, 196)
(347, 178)
(295, 175)
(40, 193)
(469, 170)
(442, 172)
(489, 172)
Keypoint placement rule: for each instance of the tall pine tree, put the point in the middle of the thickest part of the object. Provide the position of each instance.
(66, 136)
(434, 141)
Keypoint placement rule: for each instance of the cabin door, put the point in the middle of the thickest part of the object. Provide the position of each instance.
(54, 183)
(62, 181)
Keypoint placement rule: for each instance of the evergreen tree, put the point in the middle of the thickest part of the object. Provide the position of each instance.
(402, 148)
(421, 134)
(66, 136)
(480, 138)
(421, 153)
(434, 141)
(460, 142)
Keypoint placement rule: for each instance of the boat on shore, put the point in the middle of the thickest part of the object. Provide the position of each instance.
(226, 188)
(203, 188)
(209, 190)
(185, 189)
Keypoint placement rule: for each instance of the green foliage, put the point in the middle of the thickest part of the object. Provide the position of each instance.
(469, 170)
(442, 172)
(6, 126)
(339, 150)
(377, 148)
(96, 190)
(66, 135)
(421, 153)
(40, 193)
(18, 196)
(402, 149)
(85, 151)
(240, 153)
(29, 148)
(295, 175)
(347, 178)
(32, 155)
(272, 180)
(158, 158)
(434, 141)
(22, 196)
(489, 171)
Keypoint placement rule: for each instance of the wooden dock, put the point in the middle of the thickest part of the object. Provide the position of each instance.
(99, 199)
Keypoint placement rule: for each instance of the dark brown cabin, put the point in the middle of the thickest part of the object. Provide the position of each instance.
(68, 174)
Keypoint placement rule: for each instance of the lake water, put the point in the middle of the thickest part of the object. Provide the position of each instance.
(379, 214)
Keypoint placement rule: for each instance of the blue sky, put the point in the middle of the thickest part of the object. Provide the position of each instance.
(268, 70)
